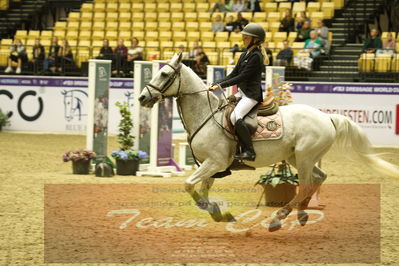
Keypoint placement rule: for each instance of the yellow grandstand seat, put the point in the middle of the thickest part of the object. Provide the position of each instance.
(125, 7)
(222, 46)
(138, 26)
(192, 26)
(383, 63)
(259, 17)
(190, 16)
(125, 35)
(60, 34)
(395, 63)
(165, 26)
(97, 35)
(207, 36)
(313, 7)
(213, 57)
(99, 7)
(292, 36)
(87, 7)
(265, 25)
(151, 36)
(111, 35)
(284, 5)
(151, 26)
(273, 16)
(99, 16)
(167, 54)
(71, 35)
(202, 7)
(165, 36)
(113, 25)
(165, 45)
(193, 36)
(269, 36)
(137, 7)
(180, 43)
(150, 16)
(150, 7)
(139, 35)
(137, 16)
(99, 25)
(209, 46)
(59, 25)
(205, 26)
(366, 62)
(204, 17)
(153, 45)
(86, 16)
(85, 35)
(163, 16)
(112, 7)
(177, 16)
(46, 34)
(125, 16)
(221, 36)
(179, 35)
(384, 35)
(235, 37)
(339, 3)
(178, 26)
(274, 26)
(270, 7)
(189, 7)
(315, 16)
(176, 7)
(96, 43)
(33, 34)
(299, 7)
(279, 36)
(163, 7)
(328, 9)
(112, 16)
(74, 16)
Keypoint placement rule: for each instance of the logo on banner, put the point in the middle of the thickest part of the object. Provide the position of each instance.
(20, 102)
(73, 104)
(102, 74)
(129, 98)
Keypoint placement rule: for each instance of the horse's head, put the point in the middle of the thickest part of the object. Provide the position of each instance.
(166, 82)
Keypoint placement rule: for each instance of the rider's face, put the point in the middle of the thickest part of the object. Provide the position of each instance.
(246, 39)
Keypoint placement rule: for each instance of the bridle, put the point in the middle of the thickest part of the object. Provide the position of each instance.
(176, 73)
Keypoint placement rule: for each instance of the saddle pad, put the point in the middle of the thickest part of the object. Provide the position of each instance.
(269, 127)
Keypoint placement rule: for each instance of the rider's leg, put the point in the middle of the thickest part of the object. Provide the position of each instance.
(237, 118)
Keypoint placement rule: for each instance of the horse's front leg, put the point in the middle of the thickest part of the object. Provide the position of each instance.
(201, 199)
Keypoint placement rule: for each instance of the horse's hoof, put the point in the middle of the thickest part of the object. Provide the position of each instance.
(303, 218)
(275, 225)
(228, 217)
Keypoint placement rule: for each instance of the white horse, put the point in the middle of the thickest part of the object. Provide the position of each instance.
(308, 135)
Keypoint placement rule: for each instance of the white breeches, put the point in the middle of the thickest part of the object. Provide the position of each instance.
(243, 107)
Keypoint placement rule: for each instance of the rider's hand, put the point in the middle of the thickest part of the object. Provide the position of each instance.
(214, 87)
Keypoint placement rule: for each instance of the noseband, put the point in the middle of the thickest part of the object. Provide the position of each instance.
(169, 83)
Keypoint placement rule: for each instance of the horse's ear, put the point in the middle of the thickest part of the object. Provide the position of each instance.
(179, 58)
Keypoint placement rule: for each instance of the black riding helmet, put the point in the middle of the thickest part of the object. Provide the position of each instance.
(255, 30)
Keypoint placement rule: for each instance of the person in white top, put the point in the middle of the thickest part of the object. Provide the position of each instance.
(134, 53)
(17, 54)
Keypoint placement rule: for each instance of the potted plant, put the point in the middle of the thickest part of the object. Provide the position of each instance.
(80, 160)
(127, 159)
(279, 184)
(4, 120)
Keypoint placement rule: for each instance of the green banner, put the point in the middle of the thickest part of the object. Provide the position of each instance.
(101, 99)
(145, 115)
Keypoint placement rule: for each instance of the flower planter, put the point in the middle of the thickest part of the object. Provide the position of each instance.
(279, 195)
(127, 167)
(81, 167)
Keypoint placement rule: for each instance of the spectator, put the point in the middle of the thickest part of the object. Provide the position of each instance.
(223, 6)
(201, 62)
(37, 55)
(390, 43)
(313, 45)
(303, 33)
(105, 51)
(239, 6)
(218, 25)
(322, 34)
(301, 20)
(269, 53)
(230, 25)
(254, 6)
(194, 52)
(372, 43)
(134, 53)
(241, 22)
(284, 57)
(50, 60)
(288, 22)
(120, 56)
(65, 56)
(17, 54)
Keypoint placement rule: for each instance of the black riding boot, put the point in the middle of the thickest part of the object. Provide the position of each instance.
(248, 152)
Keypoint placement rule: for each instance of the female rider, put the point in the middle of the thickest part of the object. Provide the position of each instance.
(247, 74)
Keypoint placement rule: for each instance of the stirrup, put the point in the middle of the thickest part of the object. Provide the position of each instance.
(246, 156)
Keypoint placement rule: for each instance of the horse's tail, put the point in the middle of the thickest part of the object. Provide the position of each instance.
(351, 137)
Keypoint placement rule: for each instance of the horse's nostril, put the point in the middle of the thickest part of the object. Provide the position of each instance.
(142, 97)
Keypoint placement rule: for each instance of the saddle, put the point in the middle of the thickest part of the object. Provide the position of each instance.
(266, 108)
